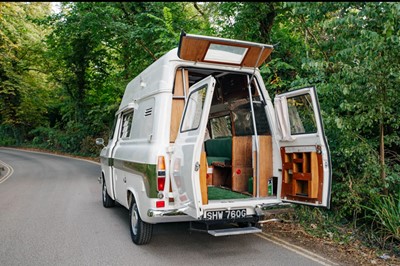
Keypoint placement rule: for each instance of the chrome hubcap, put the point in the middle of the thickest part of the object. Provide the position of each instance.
(134, 219)
(104, 191)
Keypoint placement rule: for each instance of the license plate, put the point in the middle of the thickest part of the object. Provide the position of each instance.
(225, 214)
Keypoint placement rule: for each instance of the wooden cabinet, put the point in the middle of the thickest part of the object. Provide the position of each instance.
(301, 175)
(241, 162)
(265, 172)
(244, 163)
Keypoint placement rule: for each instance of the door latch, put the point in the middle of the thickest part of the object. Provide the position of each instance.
(197, 166)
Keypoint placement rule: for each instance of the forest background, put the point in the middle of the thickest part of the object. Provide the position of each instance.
(62, 76)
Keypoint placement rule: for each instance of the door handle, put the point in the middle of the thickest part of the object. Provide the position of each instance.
(197, 166)
(124, 179)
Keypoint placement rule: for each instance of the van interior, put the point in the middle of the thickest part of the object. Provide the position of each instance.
(229, 167)
(229, 151)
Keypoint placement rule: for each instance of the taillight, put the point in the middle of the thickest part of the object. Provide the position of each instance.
(161, 173)
(160, 204)
(160, 183)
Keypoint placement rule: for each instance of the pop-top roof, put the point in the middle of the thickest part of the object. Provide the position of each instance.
(200, 48)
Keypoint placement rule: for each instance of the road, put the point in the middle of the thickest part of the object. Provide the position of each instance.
(51, 213)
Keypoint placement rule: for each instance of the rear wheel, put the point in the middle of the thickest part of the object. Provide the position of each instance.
(107, 200)
(141, 232)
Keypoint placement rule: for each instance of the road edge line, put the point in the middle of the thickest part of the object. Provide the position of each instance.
(299, 250)
(10, 171)
(49, 153)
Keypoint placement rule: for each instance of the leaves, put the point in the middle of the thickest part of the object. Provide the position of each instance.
(23, 90)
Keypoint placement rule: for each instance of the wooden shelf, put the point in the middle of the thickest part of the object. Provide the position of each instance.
(301, 175)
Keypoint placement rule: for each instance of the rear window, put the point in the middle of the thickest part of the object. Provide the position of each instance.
(221, 126)
(243, 121)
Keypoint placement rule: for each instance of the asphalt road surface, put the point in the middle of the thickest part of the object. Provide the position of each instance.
(51, 213)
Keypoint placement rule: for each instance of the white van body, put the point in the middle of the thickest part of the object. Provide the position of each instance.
(197, 138)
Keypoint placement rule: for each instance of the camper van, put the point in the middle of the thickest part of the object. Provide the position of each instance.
(198, 139)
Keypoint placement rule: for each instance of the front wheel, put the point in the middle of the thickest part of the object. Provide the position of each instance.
(141, 232)
(107, 200)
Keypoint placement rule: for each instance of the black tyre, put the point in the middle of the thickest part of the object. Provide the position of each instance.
(141, 232)
(107, 200)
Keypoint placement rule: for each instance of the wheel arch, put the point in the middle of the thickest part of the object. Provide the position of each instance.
(129, 197)
(108, 185)
(132, 195)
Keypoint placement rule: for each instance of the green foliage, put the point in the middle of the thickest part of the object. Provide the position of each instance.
(352, 58)
(324, 224)
(7, 133)
(24, 89)
(97, 48)
(72, 139)
(382, 214)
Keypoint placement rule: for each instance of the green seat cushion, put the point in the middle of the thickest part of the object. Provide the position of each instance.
(221, 147)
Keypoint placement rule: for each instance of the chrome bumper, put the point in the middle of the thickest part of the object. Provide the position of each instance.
(162, 213)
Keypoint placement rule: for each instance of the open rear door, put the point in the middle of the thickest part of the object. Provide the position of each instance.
(185, 159)
(306, 164)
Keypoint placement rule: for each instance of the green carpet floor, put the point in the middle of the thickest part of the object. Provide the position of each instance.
(218, 193)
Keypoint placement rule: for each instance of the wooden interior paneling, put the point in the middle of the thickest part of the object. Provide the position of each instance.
(314, 175)
(241, 162)
(265, 172)
(195, 48)
(221, 176)
(252, 55)
(203, 178)
(241, 151)
(306, 181)
(178, 104)
(240, 178)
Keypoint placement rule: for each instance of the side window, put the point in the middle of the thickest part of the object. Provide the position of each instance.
(194, 109)
(113, 129)
(301, 115)
(126, 124)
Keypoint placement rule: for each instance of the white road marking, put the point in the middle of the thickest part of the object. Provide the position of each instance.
(9, 172)
(299, 250)
(54, 154)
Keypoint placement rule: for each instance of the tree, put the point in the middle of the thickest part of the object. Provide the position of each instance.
(353, 59)
(97, 48)
(24, 89)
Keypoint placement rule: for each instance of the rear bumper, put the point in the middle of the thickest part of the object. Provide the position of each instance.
(165, 213)
(258, 209)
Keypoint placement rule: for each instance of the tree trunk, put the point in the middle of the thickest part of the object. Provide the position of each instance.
(267, 22)
(382, 155)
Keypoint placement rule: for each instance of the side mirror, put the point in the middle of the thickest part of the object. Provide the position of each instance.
(100, 141)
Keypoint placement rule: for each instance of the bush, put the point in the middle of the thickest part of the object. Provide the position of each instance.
(7, 136)
(383, 215)
(89, 146)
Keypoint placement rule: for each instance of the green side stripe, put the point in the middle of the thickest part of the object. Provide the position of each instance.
(146, 171)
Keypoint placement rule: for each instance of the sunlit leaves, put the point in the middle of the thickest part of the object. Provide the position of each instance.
(24, 87)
